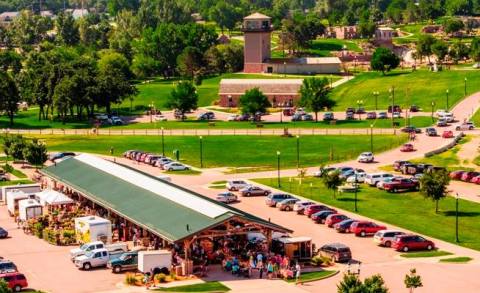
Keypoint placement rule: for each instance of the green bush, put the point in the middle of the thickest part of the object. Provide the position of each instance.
(4, 287)
(38, 229)
(316, 261)
(130, 279)
(161, 278)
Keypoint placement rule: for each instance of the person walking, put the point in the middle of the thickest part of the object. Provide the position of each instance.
(298, 272)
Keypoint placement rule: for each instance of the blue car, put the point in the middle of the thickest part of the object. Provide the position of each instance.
(3, 233)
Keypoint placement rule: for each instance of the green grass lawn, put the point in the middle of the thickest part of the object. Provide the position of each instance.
(407, 210)
(418, 121)
(433, 253)
(459, 259)
(233, 151)
(15, 182)
(324, 47)
(424, 87)
(29, 119)
(448, 159)
(204, 287)
(313, 276)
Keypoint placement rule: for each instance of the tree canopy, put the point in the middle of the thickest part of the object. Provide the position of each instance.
(183, 98)
(253, 102)
(384, 60)
(434, 185)
(314, 95)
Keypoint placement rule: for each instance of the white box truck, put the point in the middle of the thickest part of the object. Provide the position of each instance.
(27, 188)
(150, 259)
(29, 209)
(93, 228)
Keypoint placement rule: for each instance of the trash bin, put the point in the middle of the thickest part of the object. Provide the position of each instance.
(176, 154)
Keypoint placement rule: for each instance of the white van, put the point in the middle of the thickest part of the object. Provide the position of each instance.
(374, 178)
(236, 184)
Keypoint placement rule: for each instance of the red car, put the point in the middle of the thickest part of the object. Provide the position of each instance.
(16, 281)
(467, 176)
(408, 147)
(447, 134)
(364, 228)
(412, 242)
(401, 184)
(456, 175)
(475, 180)
(334, 218)
(315, 208)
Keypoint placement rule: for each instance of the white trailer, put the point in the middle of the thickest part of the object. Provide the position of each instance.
(29, 209)
(93, 228)
(13, 197)
(27, 188)
(148, 260)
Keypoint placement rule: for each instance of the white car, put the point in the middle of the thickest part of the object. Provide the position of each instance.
(93, 259)
(447, 116)
(175, 166)
(366, 157)
(115, 120)
(440, 112)
(162, 162)
(233, 117)
(465, 126)
(226, 197)
(374, 178)
(299, 206)
(236, 185)
(397, 115)
(360, 178)
(386, 237)
(101, 116)
(160, 118)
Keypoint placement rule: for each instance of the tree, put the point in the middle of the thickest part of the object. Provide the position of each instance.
(453, 25)
(412, 280)
(9, 96)
(35, 153)
(314, 95)
(254, 101)
(67, 29)
(17, 145)
(440, 49)
(352, 284)
(424, 46)
(183, 98)
(190, 63)
(434, 185)
(299, 31)
(225, 15)
(475, 49)
(332, 181)
(113, 80)
(459, 51)
(384, 60)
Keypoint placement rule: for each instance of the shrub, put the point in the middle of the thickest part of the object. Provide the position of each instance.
(38, 229)
(161, 278)
(4, 287)
(316, 261)
(130, 279)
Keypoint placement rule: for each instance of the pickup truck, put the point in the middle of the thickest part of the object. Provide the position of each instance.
(125, 262)
(94, 258)
(401, 184)
(87, 247)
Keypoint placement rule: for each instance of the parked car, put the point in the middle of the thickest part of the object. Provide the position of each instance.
(235, 184)
(374, 178)
(359, 177)
(442, 123)
(386, 237)
(364, 228)
(430, 131)
(440, 112)
(410, 129)
(467, 176)
(206, 116)
(407, 147)
(447, 116)
(456, 175)
(15, 281)
(350, 172)
(397, 115)
(243, 117)
(344, 226)
(350, 110)
(328, 116)
(465, 126)
(233, 117)
(115, 120)
(381, 183)
(447, 134)
(475, 180)
(3, 233)
(321, 216)
(175, 166)
(360, 110)
(300, 206)
(160, 118)
(323, 171)
(162, 162)
(93, 259)
(254, 190)
(297, 117)
(337, 252)
(334, 218)
(395, 108)
(382, 115)
(307, 117)
(61, 155)
(365, 157)
(287, 204)
(272, 199)
(226, 197)
(422, 168)
(125, 262)
(409, 169)
(349, 116)
(371, 115)
(7, 266)
(412, 242)
(91, 246)
(315, 208)
(414, 108)
(401, 184)
(397, 165)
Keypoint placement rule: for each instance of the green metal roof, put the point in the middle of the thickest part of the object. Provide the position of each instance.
(160, 215)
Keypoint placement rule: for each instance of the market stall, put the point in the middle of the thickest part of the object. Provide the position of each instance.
(53, 199)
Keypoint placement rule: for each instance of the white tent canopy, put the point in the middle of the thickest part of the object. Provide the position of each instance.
(52, 197)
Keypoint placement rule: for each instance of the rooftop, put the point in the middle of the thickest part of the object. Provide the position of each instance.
(168, 210)
(257, 15)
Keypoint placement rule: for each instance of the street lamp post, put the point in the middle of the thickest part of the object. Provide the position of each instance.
(392, 91)
(201, 151)
(465, 88)
(298, 152)
(433, 108)
(375, 94)
(356, 190)
(456, 218)
(359, 104)
(163, 143)
(278, 169)
(151, 111)
(447, 92)
(371, 138)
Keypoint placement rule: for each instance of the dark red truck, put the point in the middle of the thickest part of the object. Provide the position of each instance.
(401, 184)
